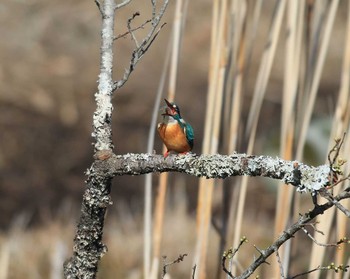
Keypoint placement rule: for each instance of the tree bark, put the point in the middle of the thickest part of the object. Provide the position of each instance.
(88, 247)
(302, 176)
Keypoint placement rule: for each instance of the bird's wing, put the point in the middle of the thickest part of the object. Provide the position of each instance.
(188, 130)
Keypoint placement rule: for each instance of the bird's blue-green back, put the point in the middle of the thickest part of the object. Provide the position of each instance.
(189, 134)
(187, 128)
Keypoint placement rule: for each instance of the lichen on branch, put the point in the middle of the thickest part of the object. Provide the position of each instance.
(302, 176)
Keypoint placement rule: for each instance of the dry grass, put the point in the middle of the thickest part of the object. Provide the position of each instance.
(40, 252)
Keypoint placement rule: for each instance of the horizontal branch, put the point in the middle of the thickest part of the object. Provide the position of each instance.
(216, 166)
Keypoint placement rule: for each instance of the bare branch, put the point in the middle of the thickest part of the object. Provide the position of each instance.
(132, 30)
(332, 266)
(135, 58)
(229, 255)
(280, 264)
(338, 181)
(335, 162)
(223, 264)
(289, 233)
(262, 253)
(121, 5)
(154, 8)
(154, 37)
(309, 271)
(194, 271)
(179, 259)
(336, 149)
(330, 198)
(315, 241)
(314, 227)
(142, 48)
(97, 2)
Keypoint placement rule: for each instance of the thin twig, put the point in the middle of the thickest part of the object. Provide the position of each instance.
(340, 241)
(98, 4)
(229, 255)
(179, 259)
(141, 48)
(315, 241)
(194, 271)
(308, 272)
(132, 30)
(154, 7)
(336, 148)
(226, 256)
(338, 181)
(289, 232)
(154, 37)
(135, 58)
(330, 198)
(122, 4)
(280, 264)
(332, 266)
(335, 163)
(262, 253)
(314, 228)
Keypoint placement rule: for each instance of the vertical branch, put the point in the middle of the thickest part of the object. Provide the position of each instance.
(88, 247)
(103, 114)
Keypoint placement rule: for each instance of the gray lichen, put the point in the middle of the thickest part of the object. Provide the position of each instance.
(313, 179)
(305, 178)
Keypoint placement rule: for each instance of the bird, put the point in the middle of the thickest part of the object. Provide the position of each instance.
(176, 134)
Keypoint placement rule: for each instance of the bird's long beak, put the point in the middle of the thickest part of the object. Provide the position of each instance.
(168, 104)
(168, 109)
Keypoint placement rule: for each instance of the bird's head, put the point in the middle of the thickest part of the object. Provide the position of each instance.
(171, 110)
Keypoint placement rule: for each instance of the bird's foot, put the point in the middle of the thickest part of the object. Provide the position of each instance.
(166, 154)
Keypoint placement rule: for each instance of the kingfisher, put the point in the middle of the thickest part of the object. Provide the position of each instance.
(175, 132)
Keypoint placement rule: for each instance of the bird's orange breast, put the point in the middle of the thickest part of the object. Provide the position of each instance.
(173, 137)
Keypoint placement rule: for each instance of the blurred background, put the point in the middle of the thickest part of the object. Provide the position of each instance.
(49, 64)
